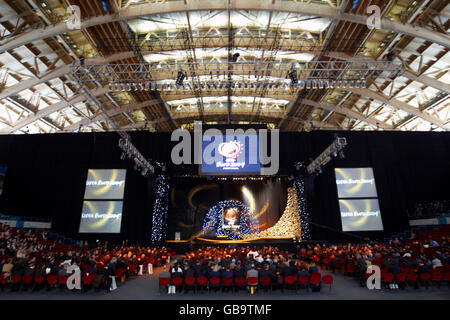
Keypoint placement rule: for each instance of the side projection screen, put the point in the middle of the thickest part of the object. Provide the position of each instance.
(105, 184)
(355, 183)
(101, 217)
(360, 215)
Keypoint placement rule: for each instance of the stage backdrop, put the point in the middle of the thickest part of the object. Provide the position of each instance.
(46, 176)
(191, 199)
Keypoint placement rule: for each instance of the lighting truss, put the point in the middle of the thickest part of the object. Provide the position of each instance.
(320, 70)
(125, 141)
(333, 150)
(239, 84)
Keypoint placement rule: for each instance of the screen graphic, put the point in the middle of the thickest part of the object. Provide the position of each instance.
(230, 218)
(360, 215)
(105, 184)
(355, 183)
(101, 217)
(232, 154)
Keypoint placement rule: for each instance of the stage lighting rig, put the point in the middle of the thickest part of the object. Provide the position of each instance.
(293, 76)
(180, 78)
(334, 149)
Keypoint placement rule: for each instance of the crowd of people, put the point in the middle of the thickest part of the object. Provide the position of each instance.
(395, 257)
(32, 253)
(430, 209)
(28, 252)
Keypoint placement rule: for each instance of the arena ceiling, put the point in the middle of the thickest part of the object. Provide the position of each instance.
(41, 91)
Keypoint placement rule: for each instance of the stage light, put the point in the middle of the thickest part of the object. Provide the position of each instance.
(302, 84)
(235, 57)
(293, 76)
(180, 78)
(105, 5)
(81, 58)
(308, 84)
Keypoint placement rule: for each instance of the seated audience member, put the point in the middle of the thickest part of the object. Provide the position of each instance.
(238, 271)
(164, 273)
(252, 272)
(176, 271)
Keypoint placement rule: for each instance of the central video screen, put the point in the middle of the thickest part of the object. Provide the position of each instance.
(230, 155)
(191, 200)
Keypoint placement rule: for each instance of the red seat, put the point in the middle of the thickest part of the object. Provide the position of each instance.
(447, 276)
(62, 280)
(328, 279)
(351, 268)
(412, 277)
(52, 279)
(290, 280)
(133, 267)
(425, 276)
(27, 279)
(15, 278)
(87, 280)
(252, 281)
(189, 281)
(401, 277)
(227, 282)
(164, 282)
(240, 281)
(315, 278)
(436, 276)
(265, 281)
(3, 279)
(39, 279)
(388, 278)
(214, 281)
(302, 280)
(177, 281)
(120, 272)
(202, 281)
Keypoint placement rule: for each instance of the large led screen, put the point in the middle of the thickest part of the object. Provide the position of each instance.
(355, 183)
(360, 215)
(230, 154)
(105, 184)
(101, 217)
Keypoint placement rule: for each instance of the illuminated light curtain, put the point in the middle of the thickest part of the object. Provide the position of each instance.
(160, 209)
(299, 184)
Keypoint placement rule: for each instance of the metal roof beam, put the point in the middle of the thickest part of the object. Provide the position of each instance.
(133, 12)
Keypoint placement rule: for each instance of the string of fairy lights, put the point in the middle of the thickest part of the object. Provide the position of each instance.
(299, 184)
(160, 209)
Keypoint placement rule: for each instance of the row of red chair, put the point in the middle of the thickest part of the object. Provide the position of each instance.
(216, 283)
(436, 277)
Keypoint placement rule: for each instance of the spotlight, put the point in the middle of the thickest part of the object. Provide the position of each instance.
(235, 57)
(308, 84)
(81, 60)
(302, 84)
(105, 5)
(180, 78)
(293, 76)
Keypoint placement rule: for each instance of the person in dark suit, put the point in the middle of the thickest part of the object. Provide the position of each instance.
(189, 272)
(227, 274)
(238, 271)
(267, 273)
(112, 266)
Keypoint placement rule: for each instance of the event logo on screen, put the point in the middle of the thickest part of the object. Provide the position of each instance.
(237, 152)
(230, 154)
